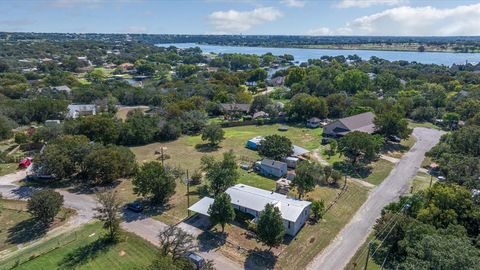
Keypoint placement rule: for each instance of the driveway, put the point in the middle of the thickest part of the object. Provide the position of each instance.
(353, 235)
(148, 229)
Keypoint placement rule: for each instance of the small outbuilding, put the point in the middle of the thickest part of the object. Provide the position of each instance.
(255, 142)
(314, 122)
(273, 168)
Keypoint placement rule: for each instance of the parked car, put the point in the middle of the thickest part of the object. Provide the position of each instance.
(136, 207)
(394, 138)
(197, 260)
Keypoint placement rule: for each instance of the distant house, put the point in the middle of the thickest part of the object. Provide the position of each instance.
(62, 88)
(314, 122)
(277, 81)
(273, 168)
(234, 108)
(77, 110)
(260, 114)
(51, 123)
(361, 122)
(255, 142)
(253, 200)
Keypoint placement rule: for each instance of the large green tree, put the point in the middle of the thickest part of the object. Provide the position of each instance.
(154, 181)
(360, 146)
(109, 212)
(213, 133)
(270, 229)
(307, 176)
(352, 81)
(391, 124)
(221, 210)
(220, 174)
(105, 165)
(275, 147)
(44, 205)
(303, 106)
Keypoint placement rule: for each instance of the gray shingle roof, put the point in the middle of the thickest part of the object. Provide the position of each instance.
(360, 122)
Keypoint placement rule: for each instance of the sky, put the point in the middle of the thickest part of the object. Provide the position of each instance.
(264, 17)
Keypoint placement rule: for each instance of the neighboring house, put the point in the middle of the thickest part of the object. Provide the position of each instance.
(51, 123)
(231, 108)
(253, 200)
(361, 122)
(277, 81)
(62, 88)
(77, 110)
(260, 114)
(314, 122)
(272, 167)
(255, 142)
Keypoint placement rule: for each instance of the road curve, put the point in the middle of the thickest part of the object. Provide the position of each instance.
(353, 235)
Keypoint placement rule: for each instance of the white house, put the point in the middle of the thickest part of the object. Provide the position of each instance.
(252, 200)
(77, 110)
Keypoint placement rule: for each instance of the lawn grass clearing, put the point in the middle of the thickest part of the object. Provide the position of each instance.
(84, 249)
(413, 124)
(379, 171)
(422, 181)
(8, 168)
(17, 226)
(123, 111)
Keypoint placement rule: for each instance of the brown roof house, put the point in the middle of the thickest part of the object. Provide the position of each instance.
(361, 122)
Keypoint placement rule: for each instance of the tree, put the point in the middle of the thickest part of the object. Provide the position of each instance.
(336, 177)
(451, 119)
(155, 181)
(108, 212)
(213, 133)
(44, 205)
(275, 147)
(303, 106)
(21, 138)
(220, 174)
(98, 128)
(270, 229)
(259, 103)
(332, 149)
(360, 146)
(175, 242)
(295, 75)
(221, 210)
(105, 165)
(318, 209)
(184, 71)
(352, 81)
(307, 175)
(392, 124)
(138, 129)
(6, 126)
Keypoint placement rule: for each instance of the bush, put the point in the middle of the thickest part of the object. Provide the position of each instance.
(45, 204)
(21, 138)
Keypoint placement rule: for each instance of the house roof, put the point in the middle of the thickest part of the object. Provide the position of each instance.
(202, 206)
(360, 122)
(256, 199)
(62, 88)
(235, 107)
(299, 151)
(273, 163)
(314, 120)
(257, 140)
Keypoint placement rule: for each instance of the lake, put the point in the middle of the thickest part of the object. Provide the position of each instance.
(302, 55)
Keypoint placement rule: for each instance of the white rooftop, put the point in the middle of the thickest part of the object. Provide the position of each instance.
(256, 199)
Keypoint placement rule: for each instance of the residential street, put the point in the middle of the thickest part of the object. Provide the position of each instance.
(343, 247)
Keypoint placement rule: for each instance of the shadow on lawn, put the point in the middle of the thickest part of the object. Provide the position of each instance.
(86, 253)
(353, 171)
(208, 241)
(206, 147)
(26, 231)
(260, 259)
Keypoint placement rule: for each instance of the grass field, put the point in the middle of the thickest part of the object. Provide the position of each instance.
(123, 111)
(312, 239)
(413, 124)
(8, 168)
(18, 228)
(85, 249)
(422, 181)
(380, 170)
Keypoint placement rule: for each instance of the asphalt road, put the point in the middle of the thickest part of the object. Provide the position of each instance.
(353, 235)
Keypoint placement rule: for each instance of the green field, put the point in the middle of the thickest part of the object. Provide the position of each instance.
(86, 249)
(379, 171)
(358, 260)
(8, 168)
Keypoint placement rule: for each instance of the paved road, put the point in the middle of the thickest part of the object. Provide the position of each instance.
(341, 250)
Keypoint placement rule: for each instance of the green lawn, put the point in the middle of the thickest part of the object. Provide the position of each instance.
(422, 181)
(8, 168)
(85, 249)
(380, 170)
(18, 228)
(413, 124)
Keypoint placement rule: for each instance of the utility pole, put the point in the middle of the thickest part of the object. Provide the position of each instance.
(368, 257)
(188, 195)
(431, 179)
(162, 157)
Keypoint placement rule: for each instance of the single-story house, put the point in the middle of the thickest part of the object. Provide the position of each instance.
(253, 200)
(77, 110)
(314, 122)
(229, 108)
(255, 142)
(361, 122)
(272, 167)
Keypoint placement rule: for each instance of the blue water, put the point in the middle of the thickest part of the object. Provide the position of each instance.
(302, 55)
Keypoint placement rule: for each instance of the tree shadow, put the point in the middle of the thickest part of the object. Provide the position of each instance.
(357, 171)
(86, 253)
(206, 147)
(150, 209)
(208, 241)
(26, 231)
(394, 147)
(260, 259)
